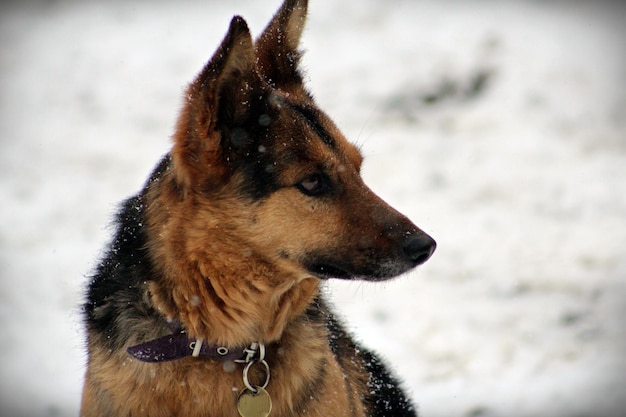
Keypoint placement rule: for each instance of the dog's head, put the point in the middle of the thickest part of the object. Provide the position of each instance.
(260, 166)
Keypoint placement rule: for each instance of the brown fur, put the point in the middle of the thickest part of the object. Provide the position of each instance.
(136, 389)
(232, 261)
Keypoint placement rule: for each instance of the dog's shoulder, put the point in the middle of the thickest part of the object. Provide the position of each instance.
(385, 396)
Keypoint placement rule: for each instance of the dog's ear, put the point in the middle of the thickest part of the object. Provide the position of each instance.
(277, 47)
(225, 97)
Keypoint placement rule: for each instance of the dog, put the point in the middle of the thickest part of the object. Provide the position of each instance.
(207, 301)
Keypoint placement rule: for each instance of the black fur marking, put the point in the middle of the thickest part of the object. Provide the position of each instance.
(312, 116)
(387, 398)
(116, 291)
(243, 140)
(260, 175)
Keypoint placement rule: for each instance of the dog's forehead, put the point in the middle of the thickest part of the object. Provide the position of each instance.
(315, 132)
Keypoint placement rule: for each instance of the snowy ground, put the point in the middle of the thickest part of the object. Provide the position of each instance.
(498, 127)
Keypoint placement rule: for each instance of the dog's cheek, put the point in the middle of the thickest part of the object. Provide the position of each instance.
(290, 224)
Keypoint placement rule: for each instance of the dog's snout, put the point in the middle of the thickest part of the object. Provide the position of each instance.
(419, 248)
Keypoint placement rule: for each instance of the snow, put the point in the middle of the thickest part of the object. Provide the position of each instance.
(498, 127)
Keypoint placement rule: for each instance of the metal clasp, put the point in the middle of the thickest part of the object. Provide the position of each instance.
(251, 352)
(254, 354)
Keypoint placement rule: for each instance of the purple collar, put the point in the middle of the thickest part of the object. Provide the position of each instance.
(178, 346)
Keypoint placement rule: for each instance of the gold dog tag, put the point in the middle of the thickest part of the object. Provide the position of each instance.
(250, 404)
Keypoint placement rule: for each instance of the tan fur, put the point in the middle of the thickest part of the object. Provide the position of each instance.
(301, 351)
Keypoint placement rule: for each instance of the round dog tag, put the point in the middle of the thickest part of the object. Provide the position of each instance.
(250, 404)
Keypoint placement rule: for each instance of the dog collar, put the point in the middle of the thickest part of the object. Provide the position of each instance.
(179, 345)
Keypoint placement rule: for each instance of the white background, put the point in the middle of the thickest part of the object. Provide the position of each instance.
(521, 310)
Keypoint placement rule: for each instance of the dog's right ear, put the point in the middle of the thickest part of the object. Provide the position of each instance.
(221, 98)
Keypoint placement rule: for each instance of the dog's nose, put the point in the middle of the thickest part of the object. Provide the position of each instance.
(419, 248)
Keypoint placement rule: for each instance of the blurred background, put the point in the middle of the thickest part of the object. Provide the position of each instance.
(497, 126)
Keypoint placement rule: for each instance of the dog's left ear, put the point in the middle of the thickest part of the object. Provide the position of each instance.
(221, 109)
(277, 47)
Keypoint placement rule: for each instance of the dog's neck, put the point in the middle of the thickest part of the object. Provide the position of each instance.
(229, 311)
(219, 292)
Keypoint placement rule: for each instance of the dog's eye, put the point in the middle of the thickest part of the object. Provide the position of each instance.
(314, 185)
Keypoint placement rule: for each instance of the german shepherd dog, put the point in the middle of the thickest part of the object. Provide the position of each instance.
(207, 301)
